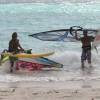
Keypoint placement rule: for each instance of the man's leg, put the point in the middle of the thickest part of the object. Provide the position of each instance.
(11, 66)
(82, 64)
(89, 57)
(83, 58)
(12, 61)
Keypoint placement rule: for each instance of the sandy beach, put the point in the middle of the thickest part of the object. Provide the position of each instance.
(50, 90)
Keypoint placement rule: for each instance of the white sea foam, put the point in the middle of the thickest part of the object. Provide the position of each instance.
(70, 72)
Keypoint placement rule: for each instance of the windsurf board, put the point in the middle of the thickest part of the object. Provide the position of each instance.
(33, 55)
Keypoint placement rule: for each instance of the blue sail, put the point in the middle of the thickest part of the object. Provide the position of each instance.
(63, 34)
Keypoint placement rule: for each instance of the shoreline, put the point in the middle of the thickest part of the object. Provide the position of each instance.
(70, 84)
(49, 90)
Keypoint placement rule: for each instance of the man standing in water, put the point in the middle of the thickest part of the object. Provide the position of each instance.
(14, 47)
(86, 47)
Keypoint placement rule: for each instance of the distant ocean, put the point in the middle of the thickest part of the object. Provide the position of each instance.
(49, 1)
(27, 18)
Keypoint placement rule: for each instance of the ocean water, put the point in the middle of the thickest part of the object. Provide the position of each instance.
(29, 18)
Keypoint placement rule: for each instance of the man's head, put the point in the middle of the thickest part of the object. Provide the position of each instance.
(14, 35)
(85, 33)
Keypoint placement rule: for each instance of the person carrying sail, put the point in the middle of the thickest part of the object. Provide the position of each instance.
(86, 47)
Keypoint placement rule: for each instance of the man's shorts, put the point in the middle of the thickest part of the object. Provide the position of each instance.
(86, 55)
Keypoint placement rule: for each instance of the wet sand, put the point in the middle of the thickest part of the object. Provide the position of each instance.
(50, 90)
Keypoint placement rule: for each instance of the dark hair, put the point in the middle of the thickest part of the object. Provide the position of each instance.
(14, 35)
(85, 31)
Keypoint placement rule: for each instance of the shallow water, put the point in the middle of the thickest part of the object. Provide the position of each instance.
(36, 17)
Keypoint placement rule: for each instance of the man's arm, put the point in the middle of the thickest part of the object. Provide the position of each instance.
(20, 46)
(92, 38)
(77, 37)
